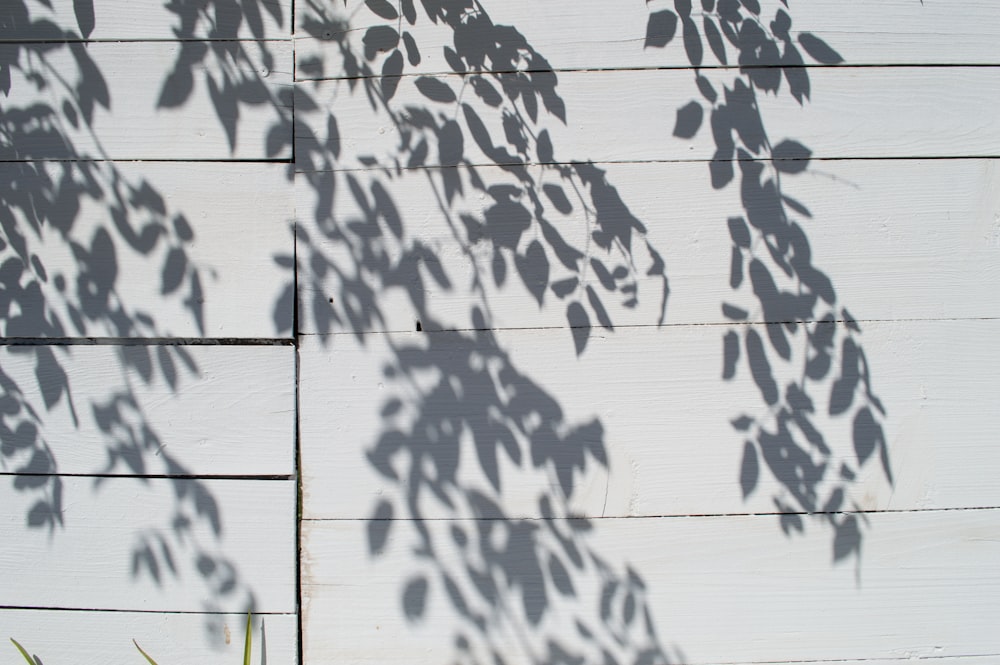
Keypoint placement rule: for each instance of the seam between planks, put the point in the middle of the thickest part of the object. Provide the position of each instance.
(657, 517)
(665, 68)
(848, 158)
(136, 611)
(716, 324)
(146, 341)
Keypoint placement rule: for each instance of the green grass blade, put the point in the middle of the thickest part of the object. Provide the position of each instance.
(31, 661)
(145, 655)
(246, 645)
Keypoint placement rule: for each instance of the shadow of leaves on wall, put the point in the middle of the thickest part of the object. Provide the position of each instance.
(810, 357)
(68, 218)
(462, 394)
(498, 182)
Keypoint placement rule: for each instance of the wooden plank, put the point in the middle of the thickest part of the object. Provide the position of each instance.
(906, 220)
(162, 545)
(150, 100)
(631, 116)
(588, 35)
(60, 637)
(934, 660)
(716, 590)
(416, 403)
(118, 20)
(124, 410)
(150, 249)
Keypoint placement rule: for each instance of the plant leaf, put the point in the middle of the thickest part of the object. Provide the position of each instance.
(144, 654)
(24, 653)
(248, 642)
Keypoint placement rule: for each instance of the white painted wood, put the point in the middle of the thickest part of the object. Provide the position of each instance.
(95, 638)
(230, 413)
(936, 660)
(630, 116)
(908, 221)
(232, 223)
(118, 20)
(718, 590)
(231, 545)
(590, 35)
(666, 415)
(911, 247)
(125, 82)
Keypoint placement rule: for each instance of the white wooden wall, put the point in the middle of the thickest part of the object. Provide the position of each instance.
(543, 398)
(148, 368)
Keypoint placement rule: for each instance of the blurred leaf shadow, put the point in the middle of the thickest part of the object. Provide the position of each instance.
(60, 280)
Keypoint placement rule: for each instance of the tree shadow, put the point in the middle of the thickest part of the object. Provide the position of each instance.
(71, 220)
(460, 390)
(796, 300)
(498, 183)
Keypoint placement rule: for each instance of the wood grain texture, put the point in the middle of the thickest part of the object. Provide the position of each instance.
(630, 116)
(590, 35)
(898, 239)
(162, 545)
(118, 20)
(150, 249)
(152, 100)
(143, 410)
(95, 638)
(665, 415)
(717, 590)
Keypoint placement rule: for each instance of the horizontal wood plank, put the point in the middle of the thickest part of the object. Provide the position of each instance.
(148, 249)
(162, 545)
(713, 590)
(666, 421)
(897, 239)
(631, 116)
(985, 659)
(590, 35)
(60, 637)
(151, 410)
(150, 100)
(120, 20)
